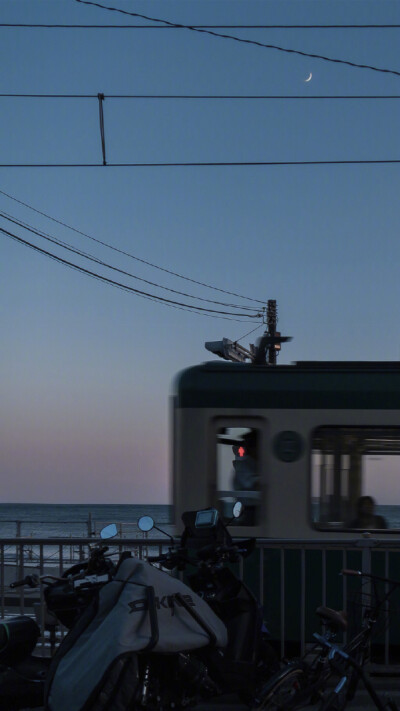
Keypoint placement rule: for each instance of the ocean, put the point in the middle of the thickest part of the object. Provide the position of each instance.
(76, 520)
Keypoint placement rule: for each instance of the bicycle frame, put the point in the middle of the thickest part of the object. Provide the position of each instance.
(334, 650)
(361, 641)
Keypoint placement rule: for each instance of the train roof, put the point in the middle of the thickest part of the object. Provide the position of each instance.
(304, 384)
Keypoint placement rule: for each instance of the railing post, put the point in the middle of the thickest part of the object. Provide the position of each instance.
(282, 600)
(366, 543)
(303, 601)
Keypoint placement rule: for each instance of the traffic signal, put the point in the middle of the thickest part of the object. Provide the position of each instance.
(239, 451)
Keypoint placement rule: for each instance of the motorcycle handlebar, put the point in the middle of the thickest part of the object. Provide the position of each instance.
(31, 580)
(98, 550)
(209, 552)
(172, 559)
(219, 552)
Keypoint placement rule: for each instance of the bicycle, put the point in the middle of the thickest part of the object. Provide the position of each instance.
(300, 681)
(338, 698)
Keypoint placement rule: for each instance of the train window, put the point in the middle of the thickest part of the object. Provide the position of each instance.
(355, 478)
(238, 472)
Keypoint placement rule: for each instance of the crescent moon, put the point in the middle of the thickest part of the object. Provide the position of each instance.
(308, 78)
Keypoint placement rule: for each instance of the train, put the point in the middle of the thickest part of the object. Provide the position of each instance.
(310, 447)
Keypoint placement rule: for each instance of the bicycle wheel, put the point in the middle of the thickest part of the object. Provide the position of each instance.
(334, 702)
(285, 690)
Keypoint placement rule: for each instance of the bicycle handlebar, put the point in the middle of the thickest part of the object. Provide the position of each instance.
(360, 574)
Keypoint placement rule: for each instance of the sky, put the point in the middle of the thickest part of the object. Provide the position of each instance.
(86, 367)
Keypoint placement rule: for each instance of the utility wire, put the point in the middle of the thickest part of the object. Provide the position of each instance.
(205, 164)
(248, 334)
(205, 27)
(208, 97)
(128, 254)
(242, 40)
(102, 278)
(90, 257)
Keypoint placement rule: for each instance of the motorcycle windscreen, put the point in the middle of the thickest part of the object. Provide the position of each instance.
(143, 608)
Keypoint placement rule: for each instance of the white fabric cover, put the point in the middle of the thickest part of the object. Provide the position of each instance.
(122, 626)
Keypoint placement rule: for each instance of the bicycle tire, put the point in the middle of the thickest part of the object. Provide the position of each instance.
(334, 702)
(281, 691)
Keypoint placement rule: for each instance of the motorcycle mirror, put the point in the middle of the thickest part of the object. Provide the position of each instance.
(146, 523)
(109, 531)
(237, 509)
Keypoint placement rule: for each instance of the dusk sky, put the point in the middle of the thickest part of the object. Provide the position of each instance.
(87, 368)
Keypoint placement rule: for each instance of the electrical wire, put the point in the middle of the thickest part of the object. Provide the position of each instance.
(128, 254)
(364, 26)
(86, 255)
(248, 334)
(124, 287)
(205, 164)
(208, 97)
(193, 28)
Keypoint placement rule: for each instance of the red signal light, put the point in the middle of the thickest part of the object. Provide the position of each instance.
(241, 451)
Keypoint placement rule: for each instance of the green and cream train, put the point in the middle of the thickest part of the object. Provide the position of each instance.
(308, 447)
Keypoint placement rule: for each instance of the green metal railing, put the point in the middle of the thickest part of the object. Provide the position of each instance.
(289, 577)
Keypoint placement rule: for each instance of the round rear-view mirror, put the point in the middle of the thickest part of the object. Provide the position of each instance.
(109, 531)
(237, 509)
(146, 523)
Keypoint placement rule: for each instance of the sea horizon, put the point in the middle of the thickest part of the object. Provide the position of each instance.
(65, 520)
(72, 503)
(82, 520)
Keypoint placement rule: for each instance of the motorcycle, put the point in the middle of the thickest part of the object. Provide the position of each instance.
(155, 642)
(22, 673)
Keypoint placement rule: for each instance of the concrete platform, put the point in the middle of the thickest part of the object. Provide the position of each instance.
(384, 686)
(362, 702)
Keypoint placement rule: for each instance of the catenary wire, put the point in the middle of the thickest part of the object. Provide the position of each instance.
(127, 254)
(90, 257)
(242, 40)
(131, 289)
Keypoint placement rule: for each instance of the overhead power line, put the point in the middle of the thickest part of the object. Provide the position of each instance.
(204, 164)
(128, 254)
(100, 97)
(90, 257)
(208, 97)
(51, 26)
(124, 287)
(221, 35)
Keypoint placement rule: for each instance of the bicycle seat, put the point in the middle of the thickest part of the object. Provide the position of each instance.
(335, 618)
